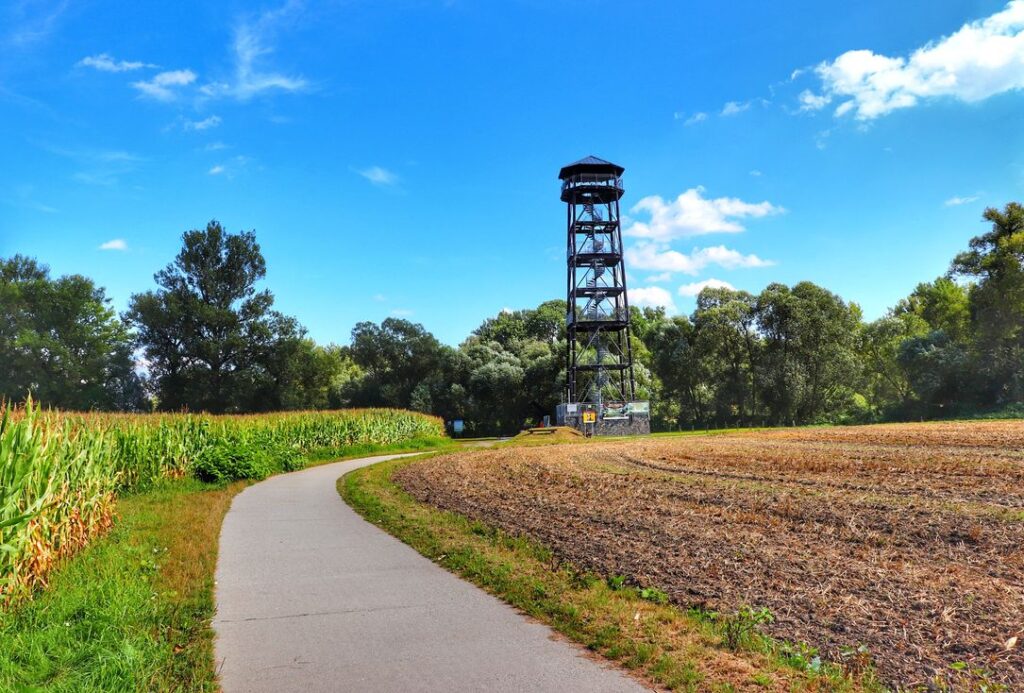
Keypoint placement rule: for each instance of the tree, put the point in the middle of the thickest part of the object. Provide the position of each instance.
(996, 262)
(725, 324)
(61, 341)
(212, 341)
(942, 304)
(888, 386)
(680, 370)
(396, 356)
(938, 371)
(810, 360)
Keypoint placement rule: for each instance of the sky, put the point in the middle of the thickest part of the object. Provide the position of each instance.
(400, 158)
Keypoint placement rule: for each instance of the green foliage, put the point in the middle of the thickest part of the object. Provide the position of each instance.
(509, 372)
(229, 460)
(59, 473)
(213, 341)
(61, 341)
(788, 355)
(742, 626)
(131, 612)
(995, 262)
(653, 594)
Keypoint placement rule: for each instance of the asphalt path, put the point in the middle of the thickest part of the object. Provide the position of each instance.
(311, 597)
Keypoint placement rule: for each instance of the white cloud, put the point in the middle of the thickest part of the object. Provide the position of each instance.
(217, 170)
(402, 312)
(692, 214)
(162, 86)
(378, 175)
(204, 124)
(698, 117)
(956, 200)
(756, 173)
(696, 287)
(380, 298)
(660, 277)
(215, 147)
(115, 244)
(734, 108)
(104, 62)
(809, 101)
(981, 59)
(253, 43)
(653, 297)
(660, 258)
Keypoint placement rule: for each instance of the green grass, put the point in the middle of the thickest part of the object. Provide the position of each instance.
(351, 452)
(671, 647)
(132, 611)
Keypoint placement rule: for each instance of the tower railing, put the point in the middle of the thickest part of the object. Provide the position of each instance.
(590, 180)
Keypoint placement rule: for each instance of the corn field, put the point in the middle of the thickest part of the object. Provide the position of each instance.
(60, 473)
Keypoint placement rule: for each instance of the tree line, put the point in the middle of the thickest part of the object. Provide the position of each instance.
(208, 339)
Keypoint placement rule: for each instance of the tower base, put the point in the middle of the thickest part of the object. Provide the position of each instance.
(606, 419)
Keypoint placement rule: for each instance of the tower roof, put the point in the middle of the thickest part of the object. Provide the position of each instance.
(590, 164)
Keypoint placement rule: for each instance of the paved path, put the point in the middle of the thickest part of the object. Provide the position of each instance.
(311, 597)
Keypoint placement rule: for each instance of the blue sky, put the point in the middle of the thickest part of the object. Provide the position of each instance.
(400, 158)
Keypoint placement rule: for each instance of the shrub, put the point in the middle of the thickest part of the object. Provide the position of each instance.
(231, 460)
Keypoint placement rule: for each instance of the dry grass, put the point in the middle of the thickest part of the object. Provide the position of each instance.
(906, 539)
(546, 436)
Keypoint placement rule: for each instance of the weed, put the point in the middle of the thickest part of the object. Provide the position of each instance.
(742, 626)
(617, 582)
(652, 594)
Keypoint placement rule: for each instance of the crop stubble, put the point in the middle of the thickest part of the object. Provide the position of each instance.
(908, 539)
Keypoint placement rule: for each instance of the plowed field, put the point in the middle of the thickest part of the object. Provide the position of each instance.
(908, 539)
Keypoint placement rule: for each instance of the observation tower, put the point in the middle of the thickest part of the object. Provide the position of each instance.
(600, 383)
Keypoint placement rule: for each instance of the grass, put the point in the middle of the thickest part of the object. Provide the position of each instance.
(671, 647)
(351, 452)
(132, 610)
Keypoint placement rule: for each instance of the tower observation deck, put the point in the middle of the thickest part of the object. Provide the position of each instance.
(600, 382)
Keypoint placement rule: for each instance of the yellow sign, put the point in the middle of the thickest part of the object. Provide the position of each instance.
(589, 417)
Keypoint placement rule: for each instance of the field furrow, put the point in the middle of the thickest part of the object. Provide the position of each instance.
(906, 539)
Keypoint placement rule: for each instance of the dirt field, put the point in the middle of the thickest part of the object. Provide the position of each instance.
(908, 539)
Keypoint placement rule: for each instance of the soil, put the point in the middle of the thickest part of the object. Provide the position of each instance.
(907, 539)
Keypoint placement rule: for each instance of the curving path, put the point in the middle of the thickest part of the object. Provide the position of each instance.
(311, 597)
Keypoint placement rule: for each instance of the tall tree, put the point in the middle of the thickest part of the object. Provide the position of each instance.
(810, 356)
(726, 324)
(396, 356)
(212, 340)
(996, 262)
(61, 341)
(942, 304)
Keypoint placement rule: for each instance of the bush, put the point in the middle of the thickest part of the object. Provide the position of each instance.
(230, 460)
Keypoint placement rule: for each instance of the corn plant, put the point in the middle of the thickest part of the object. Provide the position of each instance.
(60, 472)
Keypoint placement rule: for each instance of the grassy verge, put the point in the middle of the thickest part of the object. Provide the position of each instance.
(132, 611)
(678, 649)
(329, 455)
